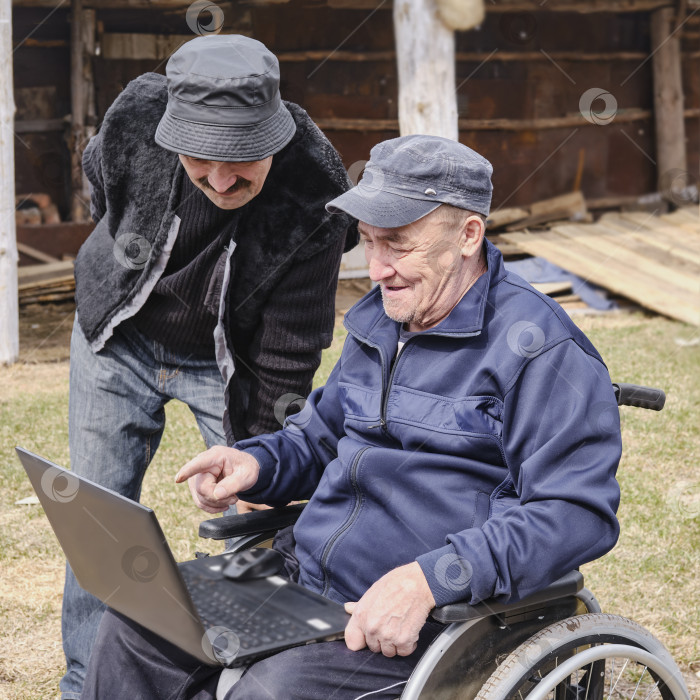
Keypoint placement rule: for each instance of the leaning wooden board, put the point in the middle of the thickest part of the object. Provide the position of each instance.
(651, 260)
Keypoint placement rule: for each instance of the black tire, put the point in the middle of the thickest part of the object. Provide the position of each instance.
(524, 670)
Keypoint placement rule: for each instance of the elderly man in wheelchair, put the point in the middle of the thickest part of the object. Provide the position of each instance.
(459, 465)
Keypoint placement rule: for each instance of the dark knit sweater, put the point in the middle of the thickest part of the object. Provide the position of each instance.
(178, 313)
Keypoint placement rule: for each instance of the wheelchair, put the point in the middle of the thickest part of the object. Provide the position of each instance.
(556, 644)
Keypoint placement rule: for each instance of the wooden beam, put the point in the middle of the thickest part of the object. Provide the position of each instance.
(538, 124)
(31, 43)
(461, 56)
(35, 253)
(82, 97)
(425, 54)
(668, 100)
(48, 272)
(37, 126)
(498, 6)
(141, 46)
(9, 309)
(580, 6)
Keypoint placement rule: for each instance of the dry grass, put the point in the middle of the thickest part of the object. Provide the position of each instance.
(651, 576)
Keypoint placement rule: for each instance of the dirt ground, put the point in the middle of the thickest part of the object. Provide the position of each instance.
(45, 329)
(44, 332)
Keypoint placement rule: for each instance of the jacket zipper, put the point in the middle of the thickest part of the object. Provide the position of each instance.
(358, 495)
(385, 399)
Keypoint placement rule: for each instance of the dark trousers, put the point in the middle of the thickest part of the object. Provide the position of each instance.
(128, 661)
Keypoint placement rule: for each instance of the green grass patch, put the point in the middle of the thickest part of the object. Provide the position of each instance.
(651, 576)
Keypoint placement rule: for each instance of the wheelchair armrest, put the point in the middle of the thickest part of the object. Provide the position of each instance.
(250, 523)
(568, 585)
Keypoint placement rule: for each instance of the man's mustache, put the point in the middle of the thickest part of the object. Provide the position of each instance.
(240, 184)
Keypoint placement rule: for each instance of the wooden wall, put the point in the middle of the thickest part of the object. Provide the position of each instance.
(520, 78)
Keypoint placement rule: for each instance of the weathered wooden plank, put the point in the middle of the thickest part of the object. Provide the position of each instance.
(472, 56)
(628, 252)
(668, 96)
(599, 267)
(681, 230)
(581, 6)
(679, 246)
(57, 240)
(503, 217)
(48, 272)
(507, 249)
(33, 126)
(35, 254)
(141, 46)
(685, 217)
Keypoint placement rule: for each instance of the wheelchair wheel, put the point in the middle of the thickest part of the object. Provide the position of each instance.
(588, 657)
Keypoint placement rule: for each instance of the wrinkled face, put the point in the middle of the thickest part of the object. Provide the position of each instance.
(228, 185)
(425, 268)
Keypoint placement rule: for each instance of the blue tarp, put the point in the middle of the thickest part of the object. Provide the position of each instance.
(540, 270)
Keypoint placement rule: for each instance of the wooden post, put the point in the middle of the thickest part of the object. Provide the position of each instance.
(668, 99)
(9, 313)
(82, 103)
(425, 54)
(89, 38)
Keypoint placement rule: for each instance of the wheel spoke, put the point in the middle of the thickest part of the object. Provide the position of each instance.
(652, 689)
(622, 670)
(612, 670)
(590, 675)
(639, 682)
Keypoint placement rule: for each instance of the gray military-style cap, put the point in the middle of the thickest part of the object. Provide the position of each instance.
(408, 177)
(224, 102)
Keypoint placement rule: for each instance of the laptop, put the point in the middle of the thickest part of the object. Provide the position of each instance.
(118, 553)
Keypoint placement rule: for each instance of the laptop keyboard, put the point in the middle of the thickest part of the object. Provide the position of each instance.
(217, 608)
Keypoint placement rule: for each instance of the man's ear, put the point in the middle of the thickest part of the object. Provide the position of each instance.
(472, 235)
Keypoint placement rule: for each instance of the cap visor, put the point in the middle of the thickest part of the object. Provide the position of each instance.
(226, 143)
(381, 208)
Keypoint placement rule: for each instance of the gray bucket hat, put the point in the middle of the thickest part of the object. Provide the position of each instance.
(224, 102)
(408, 177)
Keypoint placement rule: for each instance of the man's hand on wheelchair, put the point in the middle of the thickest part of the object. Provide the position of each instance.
(216, 476)
(391, 614)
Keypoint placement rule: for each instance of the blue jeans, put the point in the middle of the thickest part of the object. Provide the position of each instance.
(116, 420)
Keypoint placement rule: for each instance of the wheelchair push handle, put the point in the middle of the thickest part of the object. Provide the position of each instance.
(639, 396)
